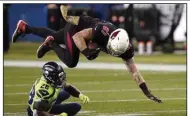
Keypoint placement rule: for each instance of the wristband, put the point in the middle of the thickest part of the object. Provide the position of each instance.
(144, 88)
(86, 52)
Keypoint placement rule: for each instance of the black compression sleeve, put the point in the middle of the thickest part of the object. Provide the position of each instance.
(144, 88)
(72, 90)
(86, 52)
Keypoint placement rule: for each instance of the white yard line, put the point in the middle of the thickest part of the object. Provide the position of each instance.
(166, 111)
(132, 90)
(94, 113)
(136, 100)
(95, 82)
(141, 113)
(105, 74)
(126, 114)
(110, 101)
(18, 85)
(111, 90)
(99, 65)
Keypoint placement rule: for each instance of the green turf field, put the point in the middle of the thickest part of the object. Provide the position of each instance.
(112, 93)
(27, 51)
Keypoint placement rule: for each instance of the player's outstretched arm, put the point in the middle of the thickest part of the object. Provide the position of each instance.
(80, 39)
(76, 93)
(139, 79)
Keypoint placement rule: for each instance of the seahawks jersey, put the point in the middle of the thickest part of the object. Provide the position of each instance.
(42, 90)
(101, 33)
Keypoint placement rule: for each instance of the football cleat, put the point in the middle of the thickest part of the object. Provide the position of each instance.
(19, 31)
(45, 47)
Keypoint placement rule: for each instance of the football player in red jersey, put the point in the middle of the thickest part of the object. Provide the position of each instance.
(68, 42)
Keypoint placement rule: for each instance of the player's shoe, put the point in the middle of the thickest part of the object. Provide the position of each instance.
(19, 31)
(45, 47)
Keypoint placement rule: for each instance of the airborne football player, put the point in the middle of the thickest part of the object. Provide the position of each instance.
(74, 38)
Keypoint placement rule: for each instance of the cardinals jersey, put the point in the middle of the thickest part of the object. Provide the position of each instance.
(101, 33)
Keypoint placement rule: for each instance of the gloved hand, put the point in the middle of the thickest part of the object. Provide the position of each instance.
(91, 54)
(84, 98)
(154, 98)
(62, 114)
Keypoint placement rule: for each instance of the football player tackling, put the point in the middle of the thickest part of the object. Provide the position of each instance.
(74, 38)
(50, 90)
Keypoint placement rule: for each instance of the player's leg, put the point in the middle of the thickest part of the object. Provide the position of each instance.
(70, 58)
(71, 109)
(47, 44)
(71, 53)
(23, 28)
(63, 95)
(63, 45)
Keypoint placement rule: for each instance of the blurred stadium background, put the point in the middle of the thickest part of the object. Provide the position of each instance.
(158, 33)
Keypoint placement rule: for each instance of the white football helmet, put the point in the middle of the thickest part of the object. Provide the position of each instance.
(118, 42)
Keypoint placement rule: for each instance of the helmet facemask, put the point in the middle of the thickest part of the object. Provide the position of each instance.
(61, 79)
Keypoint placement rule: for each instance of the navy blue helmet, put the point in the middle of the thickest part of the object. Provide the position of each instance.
(54, 74)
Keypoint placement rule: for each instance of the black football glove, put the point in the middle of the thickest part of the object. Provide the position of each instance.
(154, 98)
(91, 54)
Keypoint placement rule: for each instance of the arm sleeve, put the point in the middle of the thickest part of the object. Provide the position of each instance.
(144, 88)
(72, 90)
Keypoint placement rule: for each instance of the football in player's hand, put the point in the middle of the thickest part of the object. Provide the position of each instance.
(92, 45)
